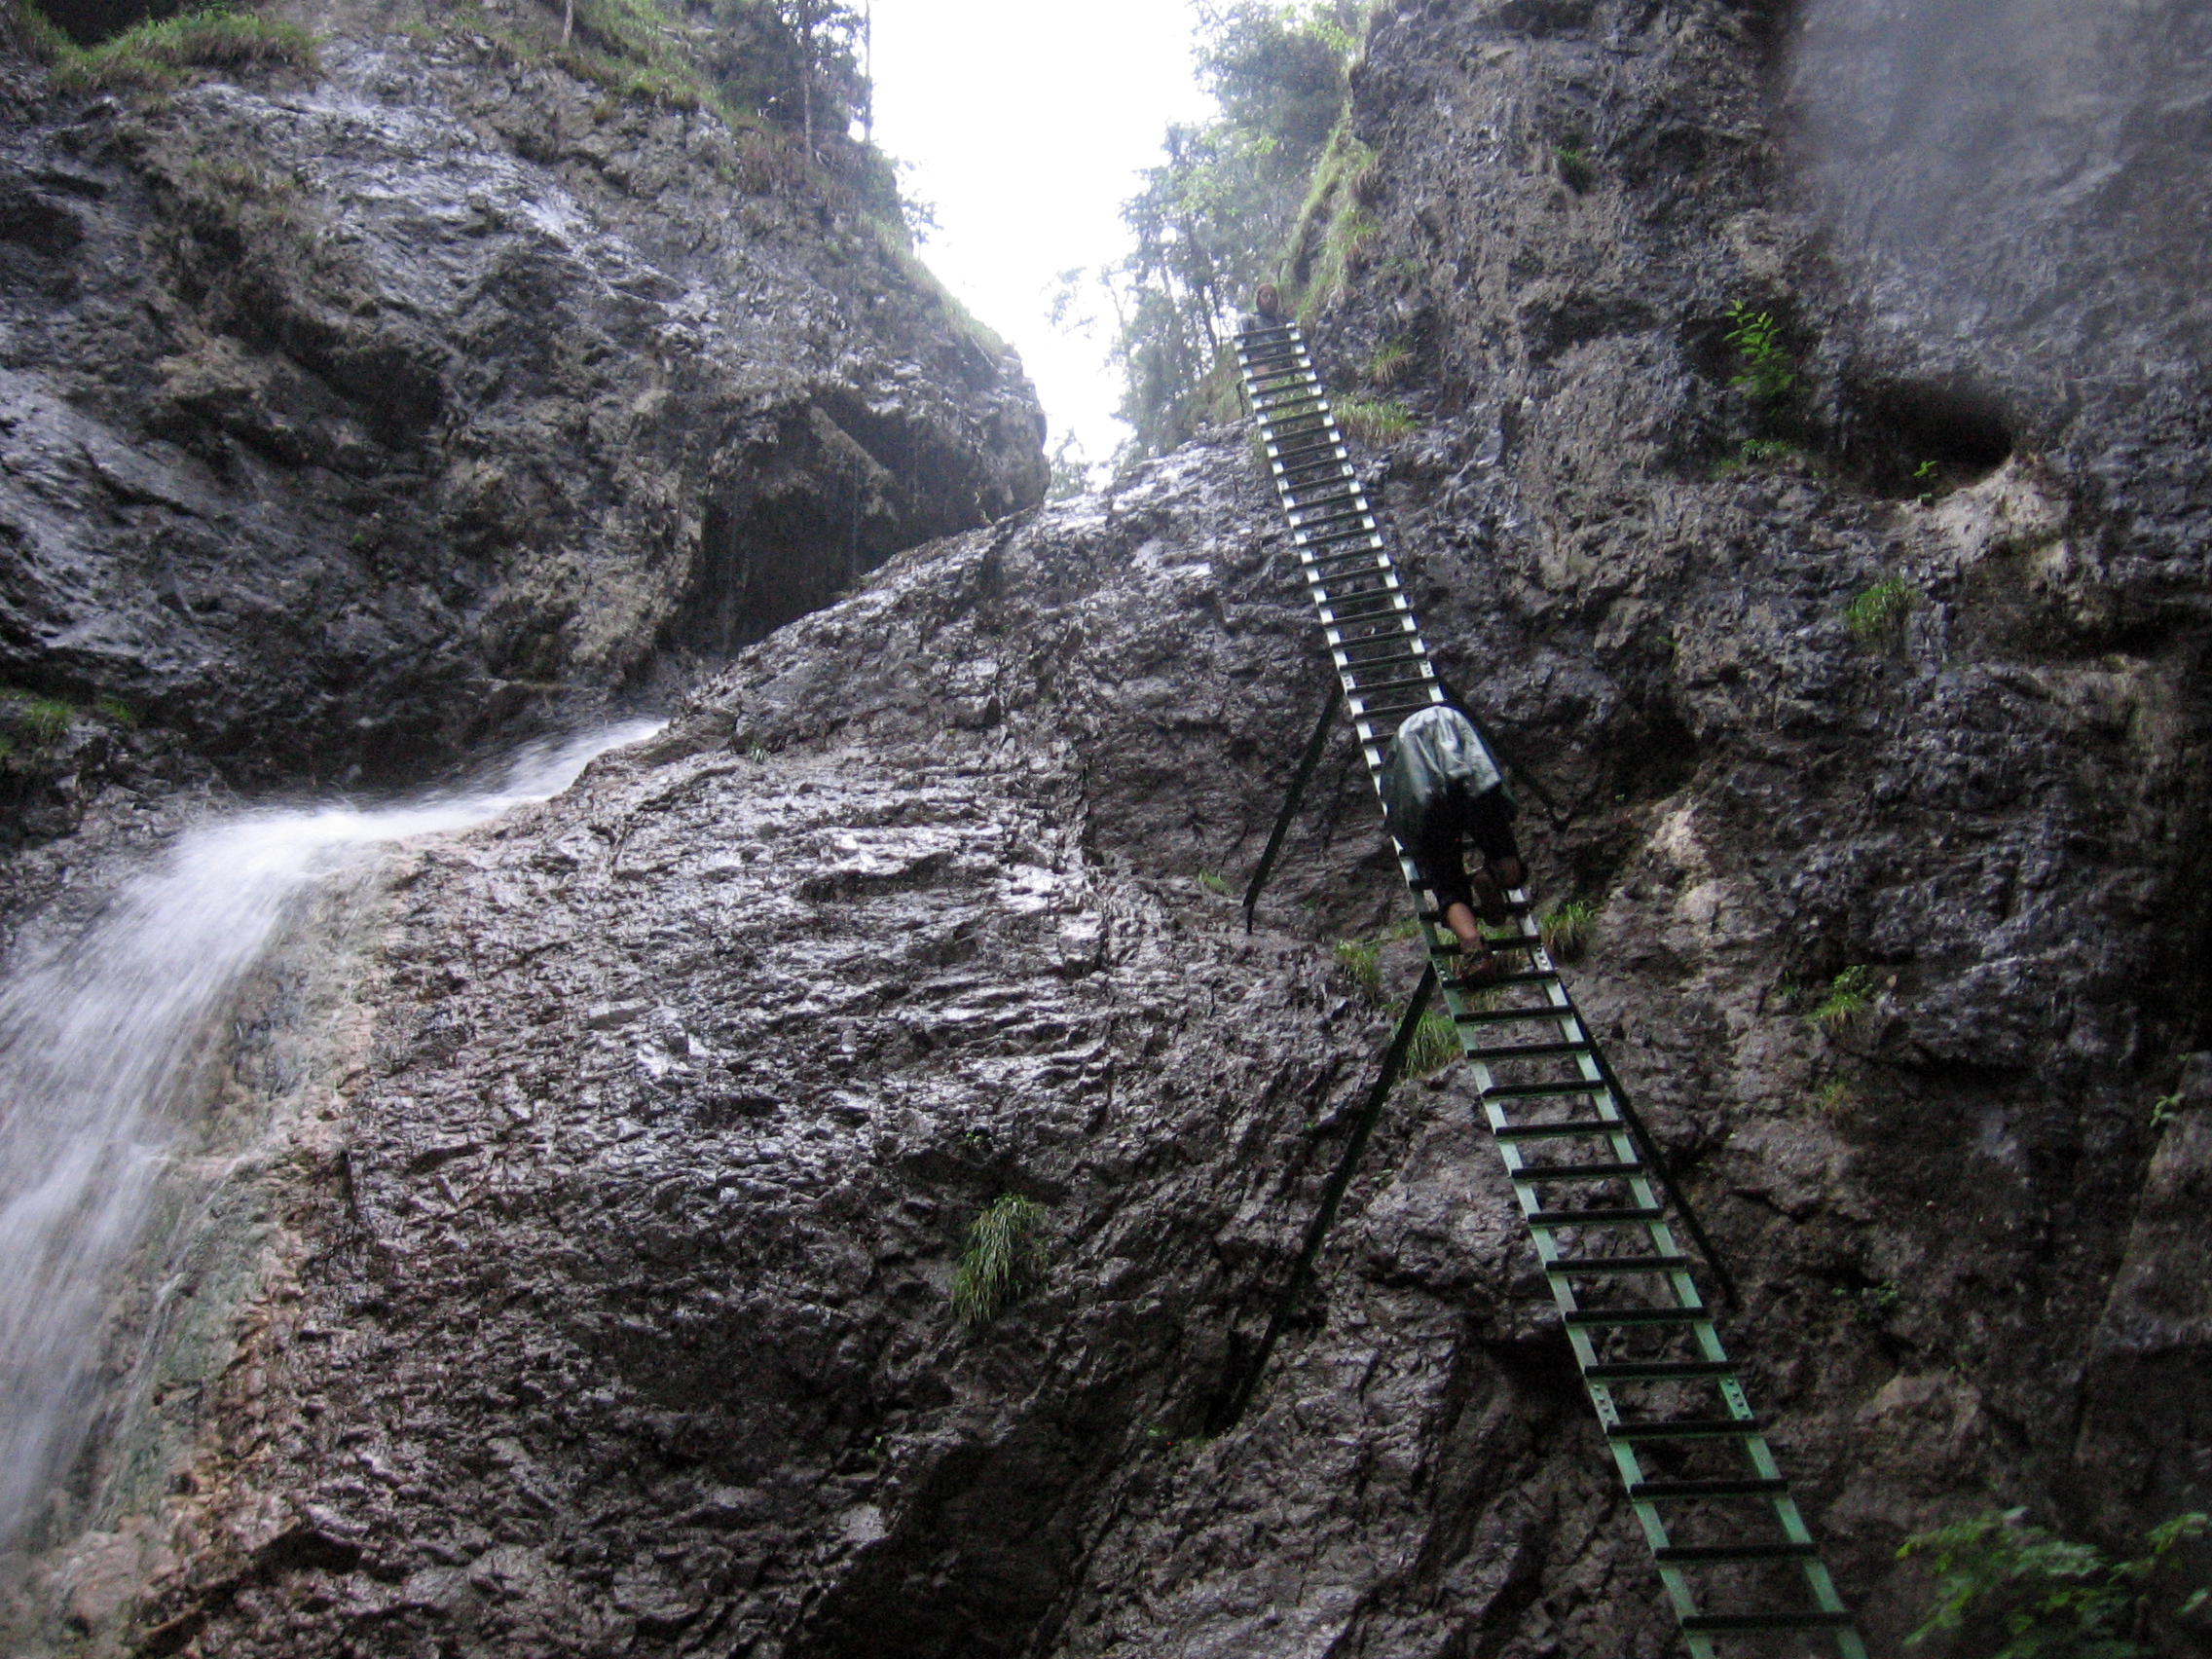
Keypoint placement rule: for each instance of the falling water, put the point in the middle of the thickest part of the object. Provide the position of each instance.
(98, 1039)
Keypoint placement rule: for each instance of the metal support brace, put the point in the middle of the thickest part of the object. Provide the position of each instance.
(1316, 746)
(1332, 1198)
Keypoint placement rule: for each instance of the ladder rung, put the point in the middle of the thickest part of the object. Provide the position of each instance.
(1656, 1370)
(1526, 976)
(1717, 1624)
(1374, 550)
(1615, 1171)
(1529, 1050)
(1537, 1090)
(1685, 1428)
(1573, 1129)
(1517, 1016)
(1618, 1215)
(1393, 605)
(1708, 1554)
(1403, 648)
(1620, 1265)
(1644, 1491)
(1585, 1319)
(1373, 539)
(1391, 625)
(1393, 684)
(1347, 519)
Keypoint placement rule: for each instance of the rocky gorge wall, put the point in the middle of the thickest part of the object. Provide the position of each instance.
(358, 412)
(605, 1305)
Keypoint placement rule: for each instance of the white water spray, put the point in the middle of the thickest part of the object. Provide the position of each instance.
(99, 1035)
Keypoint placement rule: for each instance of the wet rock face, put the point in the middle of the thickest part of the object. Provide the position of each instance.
(622, 1319)
(348, 421)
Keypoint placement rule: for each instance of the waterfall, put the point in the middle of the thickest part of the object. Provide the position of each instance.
(99, 1036)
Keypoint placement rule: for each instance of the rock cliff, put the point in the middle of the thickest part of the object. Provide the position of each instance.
(355, 413)
(604, 1297)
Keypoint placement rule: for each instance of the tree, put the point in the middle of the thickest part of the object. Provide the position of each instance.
(829, 39)
(1206, 226)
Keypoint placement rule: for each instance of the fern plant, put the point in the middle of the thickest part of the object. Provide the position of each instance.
(1004, 1259)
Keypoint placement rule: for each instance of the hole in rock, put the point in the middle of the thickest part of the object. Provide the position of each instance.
(88, 22)
(1906, 439)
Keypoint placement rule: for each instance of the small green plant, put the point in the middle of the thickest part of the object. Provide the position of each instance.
(1435, 1045)
(2164, 1110)
(1767, 372)
(2051, 1598)
(1374, 421)
(1750, 453)
(1575, 166)
(1389, 364)
(1566, 930)
(46, 720)
(756, 751)
(1789, 996)
(114, 711)
(1833, 1097)
(1879, 614)
(1362, 959)
(1928, 475)
(1214, 882)
(1850, 994)
(1871, 1304)
(1004, 1261)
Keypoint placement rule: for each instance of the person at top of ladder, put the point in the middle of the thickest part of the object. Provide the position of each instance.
(1441, 788)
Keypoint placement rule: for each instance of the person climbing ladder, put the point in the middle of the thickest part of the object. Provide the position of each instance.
(1441, 787)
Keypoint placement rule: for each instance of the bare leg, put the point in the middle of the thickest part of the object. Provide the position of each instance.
(1475, 959)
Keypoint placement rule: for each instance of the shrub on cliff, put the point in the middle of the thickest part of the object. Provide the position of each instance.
(2048, 1598)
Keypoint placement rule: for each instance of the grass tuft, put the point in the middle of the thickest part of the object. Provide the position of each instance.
(1436, 1044)
(1878, 615)
(1362, 959)
(1214, 882)
(1389, 364)
(164, 53)
(1374, 421)
(1568, 928)
(1004, 1261)
(1576, 166)
(1333, 229)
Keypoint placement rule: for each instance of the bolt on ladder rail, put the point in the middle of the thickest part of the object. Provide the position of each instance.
(1723, 1526)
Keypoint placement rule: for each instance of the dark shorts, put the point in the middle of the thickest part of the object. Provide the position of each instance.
(1445, 874)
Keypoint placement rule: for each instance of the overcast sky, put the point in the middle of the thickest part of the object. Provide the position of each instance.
(1026, 123)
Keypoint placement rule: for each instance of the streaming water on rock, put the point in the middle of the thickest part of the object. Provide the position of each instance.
(100, 1032)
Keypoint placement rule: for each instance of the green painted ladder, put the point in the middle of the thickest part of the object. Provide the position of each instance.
(1721, 1520)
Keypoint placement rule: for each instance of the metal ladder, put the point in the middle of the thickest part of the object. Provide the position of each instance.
(1721, 1520)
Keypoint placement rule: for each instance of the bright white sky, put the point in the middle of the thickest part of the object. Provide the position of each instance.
(1026, 123)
